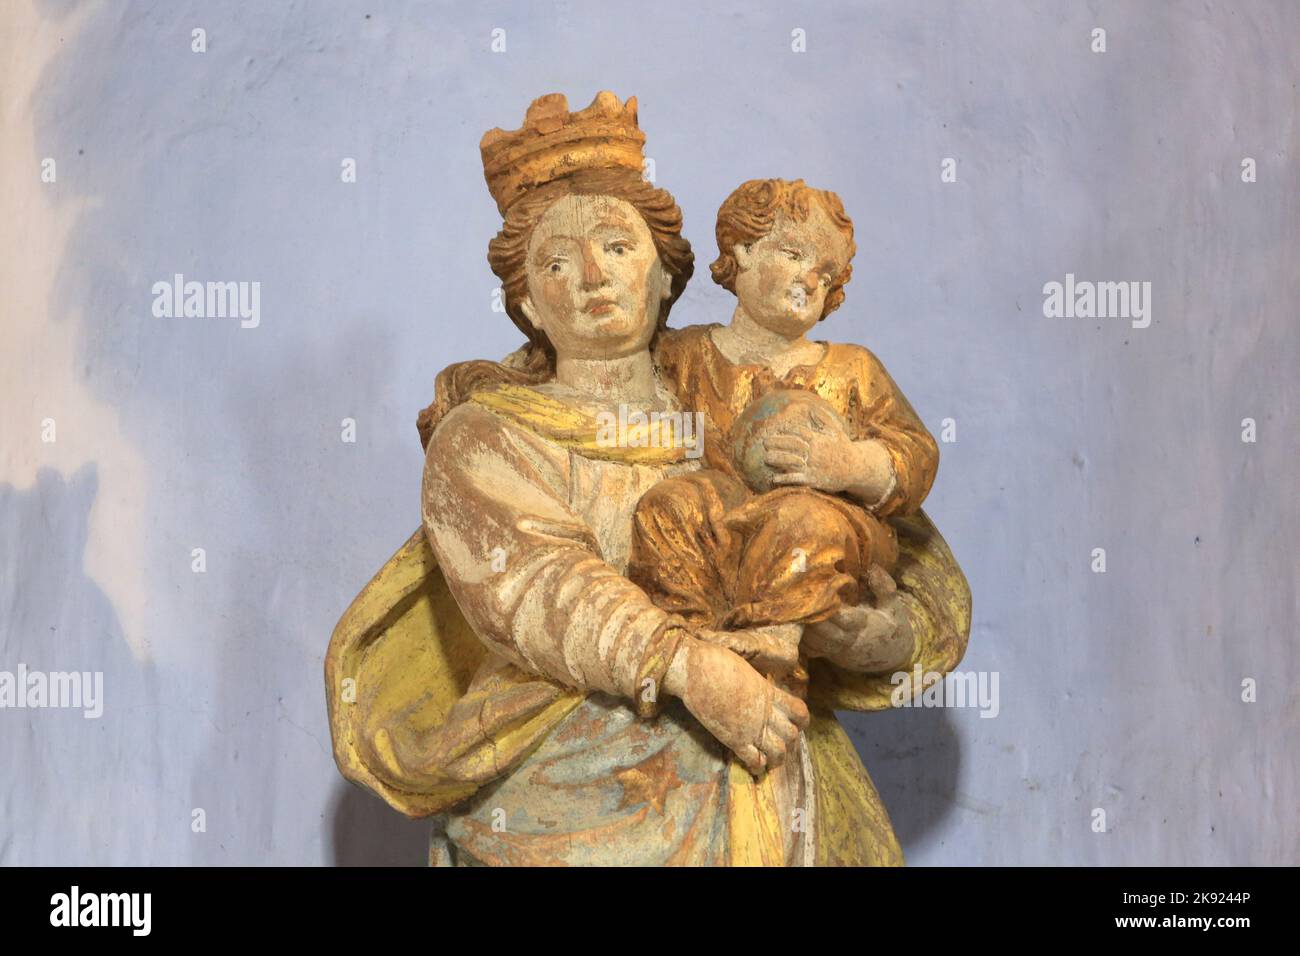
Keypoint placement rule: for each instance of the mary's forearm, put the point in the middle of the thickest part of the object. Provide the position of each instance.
(526, 570)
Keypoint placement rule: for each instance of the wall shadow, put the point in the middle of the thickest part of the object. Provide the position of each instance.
(63, 774)
(914, 758)
(365, 831)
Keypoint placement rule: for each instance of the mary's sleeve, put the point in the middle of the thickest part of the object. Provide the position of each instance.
(933, 588)
(527, 571)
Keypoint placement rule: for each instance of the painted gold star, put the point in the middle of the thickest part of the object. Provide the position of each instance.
(649, 781)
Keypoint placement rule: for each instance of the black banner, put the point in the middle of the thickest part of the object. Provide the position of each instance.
(483, 907)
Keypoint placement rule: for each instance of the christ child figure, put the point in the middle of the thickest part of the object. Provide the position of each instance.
(809, 445)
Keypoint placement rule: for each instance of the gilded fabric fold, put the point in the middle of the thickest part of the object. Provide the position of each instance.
(706, 548)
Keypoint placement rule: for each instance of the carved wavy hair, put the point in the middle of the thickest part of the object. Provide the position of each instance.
(508, 256)
(748, 214)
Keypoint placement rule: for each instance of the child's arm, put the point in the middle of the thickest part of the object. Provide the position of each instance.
(894, 439)
(886, 459)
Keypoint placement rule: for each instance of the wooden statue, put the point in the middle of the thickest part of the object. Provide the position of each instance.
(601, 648)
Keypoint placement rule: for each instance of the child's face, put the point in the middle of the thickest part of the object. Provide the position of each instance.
(785, 276)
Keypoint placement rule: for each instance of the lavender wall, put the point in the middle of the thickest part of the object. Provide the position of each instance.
(1120, 691)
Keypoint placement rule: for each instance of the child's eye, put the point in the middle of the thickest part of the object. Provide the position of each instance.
(793, 254)
(619, 248)
(555, 266)
(826, 280)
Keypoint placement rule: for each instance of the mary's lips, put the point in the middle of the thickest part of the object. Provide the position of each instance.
(599, 306)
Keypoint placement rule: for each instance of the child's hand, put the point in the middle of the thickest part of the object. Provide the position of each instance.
(828, 459)
(822, 456)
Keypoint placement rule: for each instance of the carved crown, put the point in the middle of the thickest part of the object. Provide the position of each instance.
(554, 143)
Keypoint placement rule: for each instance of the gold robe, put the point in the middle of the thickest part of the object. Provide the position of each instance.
(511, 652)
(848, 376)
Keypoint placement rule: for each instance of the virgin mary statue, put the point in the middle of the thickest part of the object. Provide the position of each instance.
(502, 676)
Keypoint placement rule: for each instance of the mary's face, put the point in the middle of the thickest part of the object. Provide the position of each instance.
(595, 282)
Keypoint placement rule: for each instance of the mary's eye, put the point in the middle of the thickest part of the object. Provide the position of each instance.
(794, 254)
(555, 266)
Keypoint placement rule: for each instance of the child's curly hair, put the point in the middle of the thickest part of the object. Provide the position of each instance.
(748, 213)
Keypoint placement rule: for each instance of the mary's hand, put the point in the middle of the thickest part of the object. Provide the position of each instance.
(758, 721)
(772, 650)
(869, 638)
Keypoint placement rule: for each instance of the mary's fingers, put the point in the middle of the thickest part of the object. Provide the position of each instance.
(795, 710)
(783, 728)
(881, 584)
(851, 617)
(753, 759)
(773, 744)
